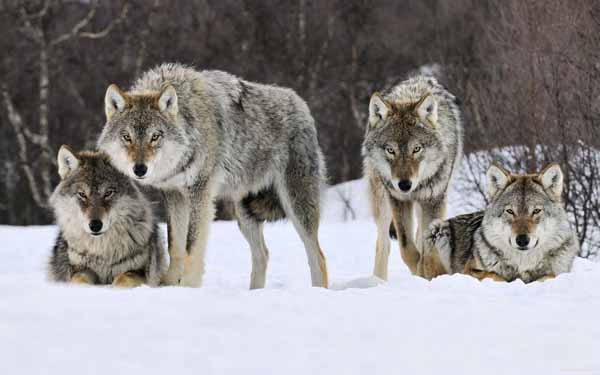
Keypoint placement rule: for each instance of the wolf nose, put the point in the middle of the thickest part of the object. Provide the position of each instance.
(405, 185)
(522, 240)
(95, 225)
(140, 170)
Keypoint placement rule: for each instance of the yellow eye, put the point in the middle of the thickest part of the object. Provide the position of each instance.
(537, 211)
(127, 138)
(155, 137)
(510, 212)
(416, 149)
(390, 150)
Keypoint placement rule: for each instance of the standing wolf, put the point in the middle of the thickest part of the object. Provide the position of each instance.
(107, 229)
(522, 234)
(204, 135)
(412, 145)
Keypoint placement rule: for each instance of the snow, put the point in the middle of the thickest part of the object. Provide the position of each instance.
(355, 192)
(362, 325)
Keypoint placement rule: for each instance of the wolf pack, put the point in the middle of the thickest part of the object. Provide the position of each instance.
(200, 136)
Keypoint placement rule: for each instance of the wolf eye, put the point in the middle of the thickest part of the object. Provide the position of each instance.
(108, 194)
(390, 150)
(155, 137)
(511, 212)
(537, 211)
(81, 195)
(127, 138)
(417, 149)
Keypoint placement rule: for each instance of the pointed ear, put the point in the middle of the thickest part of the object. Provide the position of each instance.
(167, 101)
(378, 110)
(114, 100)
(552, 179)
(497, 179)
(67, 161)
(427, 109)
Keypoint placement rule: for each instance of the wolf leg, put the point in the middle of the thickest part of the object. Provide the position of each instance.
(299, 196)
(253, 232)
(430, 265)
(428, 212)
(402, 215)
(201, 215)
(178, 217)
(382, 214)
(84, 278)
(128, 280)
(438, 239)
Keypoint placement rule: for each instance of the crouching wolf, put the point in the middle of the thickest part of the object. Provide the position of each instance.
(203, 135)
(522, 234)
(107, 233)
(412, 145)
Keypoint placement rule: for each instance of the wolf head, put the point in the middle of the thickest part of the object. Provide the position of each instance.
(91, 195)
(402, 142)
(142, 134)
(525, 211)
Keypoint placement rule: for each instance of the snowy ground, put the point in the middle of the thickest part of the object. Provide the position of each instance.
(454, 324)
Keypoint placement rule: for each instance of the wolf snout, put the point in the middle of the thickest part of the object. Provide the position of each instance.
(522, 241)
(140, 170)
(405, 185)
(95, 226)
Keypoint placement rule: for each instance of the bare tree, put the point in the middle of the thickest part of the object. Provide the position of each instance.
(33, 25)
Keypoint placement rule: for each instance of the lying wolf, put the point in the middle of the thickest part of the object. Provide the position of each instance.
(107, 231)
(411, 148)
(522, 234)
(202, 135)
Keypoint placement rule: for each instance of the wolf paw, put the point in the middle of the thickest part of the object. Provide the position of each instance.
(545, 278)
(172, 279)
(128, 280)
(83, 278)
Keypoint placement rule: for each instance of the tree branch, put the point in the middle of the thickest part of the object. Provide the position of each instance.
(16, 121)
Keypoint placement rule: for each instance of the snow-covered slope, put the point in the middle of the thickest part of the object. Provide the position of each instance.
(452, 325)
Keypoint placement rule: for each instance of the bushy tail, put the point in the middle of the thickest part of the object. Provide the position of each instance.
(263, 206)
(393, 234)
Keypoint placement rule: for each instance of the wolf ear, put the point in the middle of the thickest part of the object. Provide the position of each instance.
(497, 179)
(552, 179)
(378, 110)
(67, 161)
(167, 102)
(427, 109)
(114, 100)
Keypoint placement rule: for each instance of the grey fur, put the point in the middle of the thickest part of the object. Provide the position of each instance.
(481, 241)
(415, 135)
(220, 137)
(131, 241)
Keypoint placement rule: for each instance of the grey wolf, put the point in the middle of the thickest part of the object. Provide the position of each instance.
(203, 135)
(107, 231)
(522, 234)
(412, 145)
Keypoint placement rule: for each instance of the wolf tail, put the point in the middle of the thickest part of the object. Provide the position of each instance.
(263, 206)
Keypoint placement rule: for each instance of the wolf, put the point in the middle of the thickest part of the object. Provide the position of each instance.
(413, 143)
(522, 234)
(107, 231)
(205, 135)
